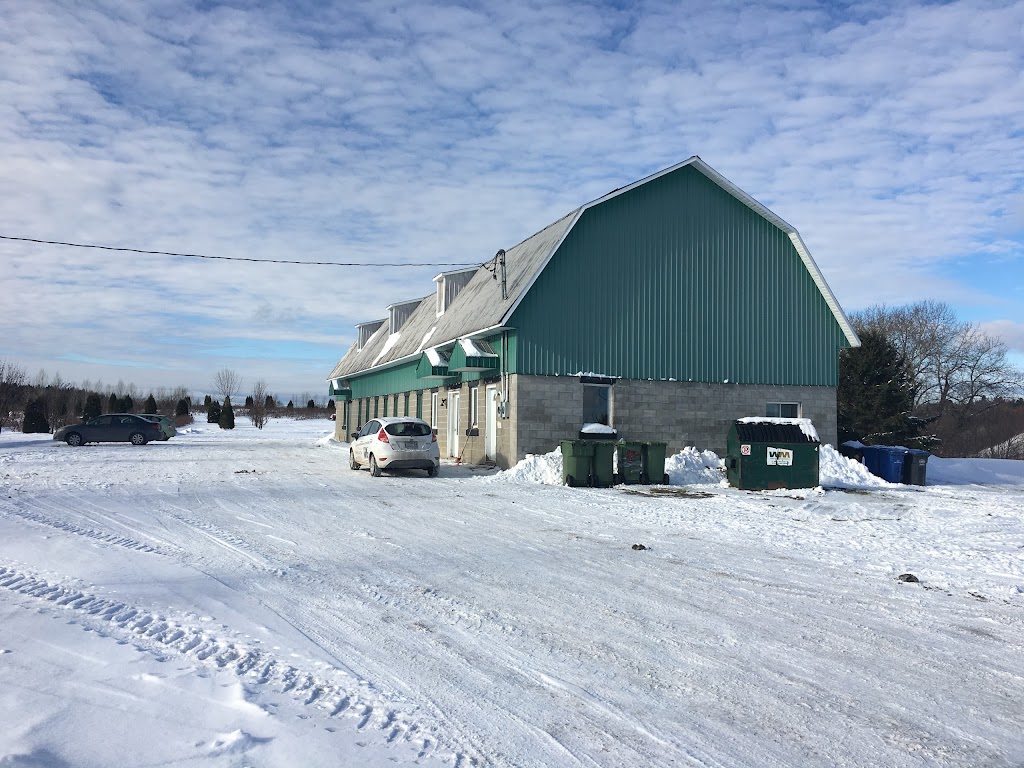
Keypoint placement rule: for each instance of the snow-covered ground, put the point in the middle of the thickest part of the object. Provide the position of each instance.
(243, 598)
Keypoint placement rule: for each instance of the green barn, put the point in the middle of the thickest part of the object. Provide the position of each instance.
(666, 309)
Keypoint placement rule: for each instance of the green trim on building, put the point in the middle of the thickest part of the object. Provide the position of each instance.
(425, 369)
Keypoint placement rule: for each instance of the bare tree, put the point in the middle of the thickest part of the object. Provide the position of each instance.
(227, 382)
(259, 414)
(952, 362)
(12, 385)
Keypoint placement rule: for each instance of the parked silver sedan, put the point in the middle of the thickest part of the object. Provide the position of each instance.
(395, 443)
(111, 428)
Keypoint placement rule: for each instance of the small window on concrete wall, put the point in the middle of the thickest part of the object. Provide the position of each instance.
(782, 410)
(597, 404)
(433, 409)
(473, 406)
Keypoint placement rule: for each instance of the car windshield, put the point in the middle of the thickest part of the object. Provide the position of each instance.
(407, 429)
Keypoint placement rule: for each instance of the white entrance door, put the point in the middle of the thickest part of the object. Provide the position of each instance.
(491, 422)
(453, 423)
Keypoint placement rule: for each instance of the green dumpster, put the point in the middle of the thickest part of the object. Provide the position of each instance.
(631, 461)
(603, 468)
(766, 454)
(653, 459)
(577, 456)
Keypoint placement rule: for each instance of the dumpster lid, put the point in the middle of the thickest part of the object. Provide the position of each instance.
(766, 429)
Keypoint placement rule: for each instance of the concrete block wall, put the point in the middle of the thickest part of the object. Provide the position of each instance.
(548, 409)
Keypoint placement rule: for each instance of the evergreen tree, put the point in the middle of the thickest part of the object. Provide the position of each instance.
(311, 404)
(248, 401)
(876, 393)
(270, 402)
(227, 415)
(126, 404)
(93, 407)
(112, 403)
(182, 407)
(330, 405)
(207, 400)
(150, 406)
(35, 417)
(213, 413)
(290, 405)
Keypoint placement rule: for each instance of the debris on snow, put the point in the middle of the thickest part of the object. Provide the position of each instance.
(638, 546)
(909, 578)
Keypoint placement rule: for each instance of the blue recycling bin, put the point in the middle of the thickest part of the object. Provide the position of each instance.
(885, 461)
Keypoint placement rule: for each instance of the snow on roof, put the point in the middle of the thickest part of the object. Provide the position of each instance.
(805, 424)
(392, 340)
(475, 349)
(435, 357)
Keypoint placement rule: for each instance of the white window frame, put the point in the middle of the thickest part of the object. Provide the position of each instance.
(774, 410)
(474, 413)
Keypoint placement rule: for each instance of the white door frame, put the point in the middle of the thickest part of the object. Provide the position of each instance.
(491, 422)
(453, 423)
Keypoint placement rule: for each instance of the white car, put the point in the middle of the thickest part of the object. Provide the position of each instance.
(395, 443)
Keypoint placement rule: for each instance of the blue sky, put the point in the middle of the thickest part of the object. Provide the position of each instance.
(888, 133)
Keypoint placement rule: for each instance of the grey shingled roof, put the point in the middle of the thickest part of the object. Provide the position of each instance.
(477, 307)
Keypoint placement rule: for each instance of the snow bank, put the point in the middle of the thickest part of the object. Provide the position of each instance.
(688, 467)
(693, 467)
(593, 428)
(545, 469)
(838, 471)
(974, 471)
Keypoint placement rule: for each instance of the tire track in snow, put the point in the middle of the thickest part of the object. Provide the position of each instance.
(333, 694)
(106, 538)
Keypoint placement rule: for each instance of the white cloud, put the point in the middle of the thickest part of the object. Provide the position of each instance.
(888, 134)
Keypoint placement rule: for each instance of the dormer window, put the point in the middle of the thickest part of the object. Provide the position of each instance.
(399, 313)
(366, 330)
(449, 284)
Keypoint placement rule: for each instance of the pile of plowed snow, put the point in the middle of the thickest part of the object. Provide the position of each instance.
(837, 471)
(694, 467)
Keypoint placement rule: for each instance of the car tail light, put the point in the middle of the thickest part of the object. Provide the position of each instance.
(433, 436)
(156, 426)
(382, 436)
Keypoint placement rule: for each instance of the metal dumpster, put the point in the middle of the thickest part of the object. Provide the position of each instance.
(767, 454)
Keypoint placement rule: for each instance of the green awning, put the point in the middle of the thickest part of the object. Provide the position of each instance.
(473, 355)
(433, 365)
(340, 390)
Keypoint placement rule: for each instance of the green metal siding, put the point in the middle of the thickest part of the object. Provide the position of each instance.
(677, 279)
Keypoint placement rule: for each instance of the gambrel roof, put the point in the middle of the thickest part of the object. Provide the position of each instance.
(479, 309)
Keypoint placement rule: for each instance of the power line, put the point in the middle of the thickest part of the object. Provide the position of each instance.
(243, 258)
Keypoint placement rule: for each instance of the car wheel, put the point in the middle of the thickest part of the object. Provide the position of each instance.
(74, 440)
(374, 469)
(432, 472)
(137, 438)
(352, 463)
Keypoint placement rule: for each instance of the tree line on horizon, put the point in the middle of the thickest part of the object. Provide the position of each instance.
(45, 404)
